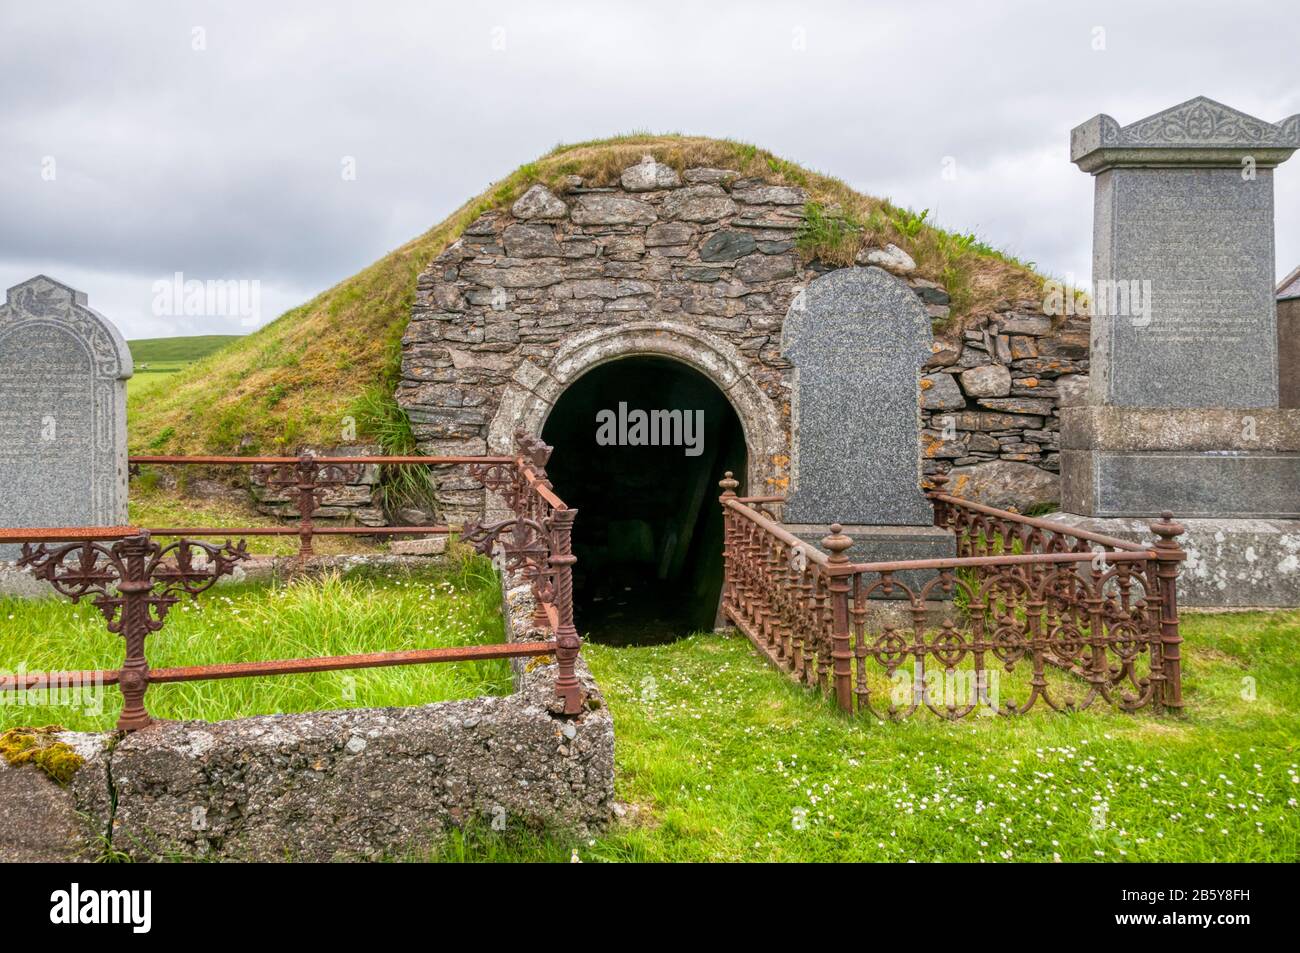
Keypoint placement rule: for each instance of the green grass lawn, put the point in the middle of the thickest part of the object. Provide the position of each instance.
(722, 758)
(364, 611)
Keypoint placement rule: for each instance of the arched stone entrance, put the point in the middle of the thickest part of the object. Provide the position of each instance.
(649, 532)
(527, 401)
(639, 443)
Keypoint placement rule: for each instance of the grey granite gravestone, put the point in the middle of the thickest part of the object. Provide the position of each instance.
(63, 371)
(1183, 221)
(857, 338)
(1182, 411)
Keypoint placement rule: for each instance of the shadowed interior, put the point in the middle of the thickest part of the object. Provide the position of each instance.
(648, 536)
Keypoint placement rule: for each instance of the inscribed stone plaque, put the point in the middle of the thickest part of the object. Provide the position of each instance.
(1196, 245)
(857, 338)
(1183, 256)
(63, 371)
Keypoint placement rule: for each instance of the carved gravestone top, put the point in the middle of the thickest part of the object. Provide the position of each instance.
(857, 338)
(63, 371)
(1183, 257)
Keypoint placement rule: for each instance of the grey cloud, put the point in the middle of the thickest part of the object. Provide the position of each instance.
(225, 162)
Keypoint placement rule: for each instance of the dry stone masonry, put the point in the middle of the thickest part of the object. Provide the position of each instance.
(702, 265)
(355, 502)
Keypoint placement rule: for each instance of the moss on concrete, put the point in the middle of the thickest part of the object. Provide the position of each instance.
(40, 747)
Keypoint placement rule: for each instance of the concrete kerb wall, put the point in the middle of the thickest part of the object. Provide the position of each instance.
(361, 783)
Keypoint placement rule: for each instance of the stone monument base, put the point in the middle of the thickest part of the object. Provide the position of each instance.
(1204, 483)
(1231, 563)
(887, 544)
(1198, 462)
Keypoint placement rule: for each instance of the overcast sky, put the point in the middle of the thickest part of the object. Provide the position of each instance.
(138, 140)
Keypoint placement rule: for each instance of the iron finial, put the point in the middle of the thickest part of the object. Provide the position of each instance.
(837, 543)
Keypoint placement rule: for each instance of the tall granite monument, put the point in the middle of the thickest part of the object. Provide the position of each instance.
(1182, 412)
(857, 338)
(63, 371)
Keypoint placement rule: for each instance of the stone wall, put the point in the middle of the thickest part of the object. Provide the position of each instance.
(355, 502)
(707, 251)
(358, 783)
(991, 401)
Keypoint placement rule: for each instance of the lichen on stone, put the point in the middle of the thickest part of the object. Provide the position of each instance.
(40, 747)
(538, 661)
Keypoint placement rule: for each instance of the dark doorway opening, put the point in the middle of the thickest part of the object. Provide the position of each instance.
(649, 531)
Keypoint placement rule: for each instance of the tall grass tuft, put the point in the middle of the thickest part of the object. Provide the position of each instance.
(380, 418)
(829, 234)
(363, 611)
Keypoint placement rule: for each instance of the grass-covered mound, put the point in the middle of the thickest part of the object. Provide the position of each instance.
(364, 611)
(338, 355)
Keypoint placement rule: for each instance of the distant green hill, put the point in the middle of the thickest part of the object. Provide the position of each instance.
(157, 359)
(171, 350)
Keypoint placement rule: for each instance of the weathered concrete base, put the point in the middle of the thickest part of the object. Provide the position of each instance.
(894, 614)
(21, 584)
(428, 546)
(363, 783)
(41, 821)
(877, 544)
(1204, 462)
(1230, 562)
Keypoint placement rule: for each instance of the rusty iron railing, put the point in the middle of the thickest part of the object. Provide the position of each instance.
(134, 580)
(309, 478)
(1021, 590)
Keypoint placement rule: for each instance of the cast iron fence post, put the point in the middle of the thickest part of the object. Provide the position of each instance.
(536, 454)
(567, 641)
(728, 483)
(1169, 556)
(306, 487)
(307, 479)
(134, 584)
(134, 625)
(838, 585)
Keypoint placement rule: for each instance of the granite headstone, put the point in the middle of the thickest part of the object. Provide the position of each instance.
(63, 371)
(1184, 314)
(1183, 409)
(857, 338)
